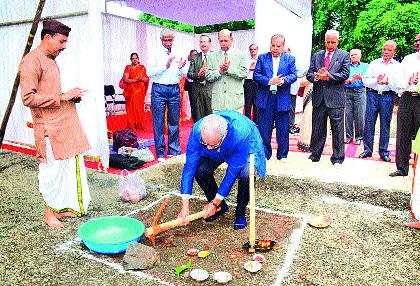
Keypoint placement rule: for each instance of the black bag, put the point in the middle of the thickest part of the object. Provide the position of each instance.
(118, 161)
(126, 137)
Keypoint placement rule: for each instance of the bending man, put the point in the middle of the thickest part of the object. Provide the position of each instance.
(226, 136)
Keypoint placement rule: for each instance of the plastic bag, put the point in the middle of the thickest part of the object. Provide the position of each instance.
(143, 154)
(131, 187)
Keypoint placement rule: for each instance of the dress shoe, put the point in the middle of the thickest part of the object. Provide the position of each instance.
(365, 154)
(386, 158)
(397, 174)
(313, 159)
(358, 142)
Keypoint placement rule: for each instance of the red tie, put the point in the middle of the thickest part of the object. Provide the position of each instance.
(327, 60)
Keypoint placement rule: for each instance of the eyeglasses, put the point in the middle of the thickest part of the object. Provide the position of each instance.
(213, 146)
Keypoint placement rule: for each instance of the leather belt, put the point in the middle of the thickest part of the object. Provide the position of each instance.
(381, 92)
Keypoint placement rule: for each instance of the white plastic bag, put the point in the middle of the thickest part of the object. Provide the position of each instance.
(131, 187)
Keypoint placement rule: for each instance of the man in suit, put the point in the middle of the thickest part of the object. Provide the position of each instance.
(250, 88)
(59, 137)
(274, 73)
(200, 97)
(188, 81)
(328, 71)
(226, 70)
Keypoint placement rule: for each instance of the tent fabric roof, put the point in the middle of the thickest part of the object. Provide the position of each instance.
(198, 12)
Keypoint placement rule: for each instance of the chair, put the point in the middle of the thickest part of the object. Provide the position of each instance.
(113, 102)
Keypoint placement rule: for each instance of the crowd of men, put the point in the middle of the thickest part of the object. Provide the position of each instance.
(222, 82)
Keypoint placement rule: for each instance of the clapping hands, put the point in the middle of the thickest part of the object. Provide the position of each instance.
(322, 74)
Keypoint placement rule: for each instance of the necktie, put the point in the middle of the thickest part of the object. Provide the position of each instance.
(226, 57)
(204, 63)
(327, 60)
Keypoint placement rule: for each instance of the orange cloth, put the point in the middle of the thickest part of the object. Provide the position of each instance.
(40, 85)
(135, 94)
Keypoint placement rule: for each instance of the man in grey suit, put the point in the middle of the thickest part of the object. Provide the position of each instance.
(328, 71)
(226, 70)
(200, 97)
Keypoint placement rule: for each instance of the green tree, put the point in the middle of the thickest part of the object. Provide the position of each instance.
(366, 24)
(387, 20)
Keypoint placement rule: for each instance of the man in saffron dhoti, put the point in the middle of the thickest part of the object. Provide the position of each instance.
(59, 136)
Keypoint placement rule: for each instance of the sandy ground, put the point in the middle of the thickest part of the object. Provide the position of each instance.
(366, 243)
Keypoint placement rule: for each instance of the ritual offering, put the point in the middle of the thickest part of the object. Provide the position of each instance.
(193, 251)
(258, 257)
(203, 254)
(319, 221)
(252, 266)
(222, 277)
(181, 268)
(199, 274)
(262, 245)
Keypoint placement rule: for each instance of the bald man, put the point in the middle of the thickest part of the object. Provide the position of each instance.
(226, 136)
(227, 68)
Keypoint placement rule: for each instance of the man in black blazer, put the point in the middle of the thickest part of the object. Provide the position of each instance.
(200, 96)
(328, 70)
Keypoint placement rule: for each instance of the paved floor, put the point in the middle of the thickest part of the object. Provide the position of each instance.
(353, 171)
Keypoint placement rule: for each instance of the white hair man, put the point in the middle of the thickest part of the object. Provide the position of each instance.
(328, 71)
(226, 136)
(165, 69)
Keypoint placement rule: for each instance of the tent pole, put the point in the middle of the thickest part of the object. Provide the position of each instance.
(17, 78)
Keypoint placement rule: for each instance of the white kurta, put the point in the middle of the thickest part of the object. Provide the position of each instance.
(63, 183)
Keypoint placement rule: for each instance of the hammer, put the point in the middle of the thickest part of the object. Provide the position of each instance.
(152, 231)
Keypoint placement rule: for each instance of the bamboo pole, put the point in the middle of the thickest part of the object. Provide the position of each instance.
(17, 78)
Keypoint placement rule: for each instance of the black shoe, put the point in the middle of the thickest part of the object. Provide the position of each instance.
(386, 158)
(365, 154)
(358, 142)
(313, 159)
(397, 174)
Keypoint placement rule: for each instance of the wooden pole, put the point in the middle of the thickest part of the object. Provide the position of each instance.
(251, 205)
(17, 78)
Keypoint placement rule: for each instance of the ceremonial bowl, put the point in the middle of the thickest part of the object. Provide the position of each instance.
(112, 234)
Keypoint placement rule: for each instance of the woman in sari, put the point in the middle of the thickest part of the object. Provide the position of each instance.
(137, 82)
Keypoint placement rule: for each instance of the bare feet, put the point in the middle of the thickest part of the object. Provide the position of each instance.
(64, 214)
(51, 219)
(412, 224)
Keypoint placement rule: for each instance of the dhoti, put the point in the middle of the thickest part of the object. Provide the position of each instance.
(63, 184)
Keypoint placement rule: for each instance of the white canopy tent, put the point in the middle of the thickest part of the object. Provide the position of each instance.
(100, 44)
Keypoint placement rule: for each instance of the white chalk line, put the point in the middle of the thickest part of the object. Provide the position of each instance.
(295, 240)
(67, 247)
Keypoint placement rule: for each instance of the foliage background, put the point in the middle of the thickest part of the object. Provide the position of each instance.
(367, 24)
(363, 24)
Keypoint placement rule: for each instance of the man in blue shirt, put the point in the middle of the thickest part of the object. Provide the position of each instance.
(226, 136)
(355, 107)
